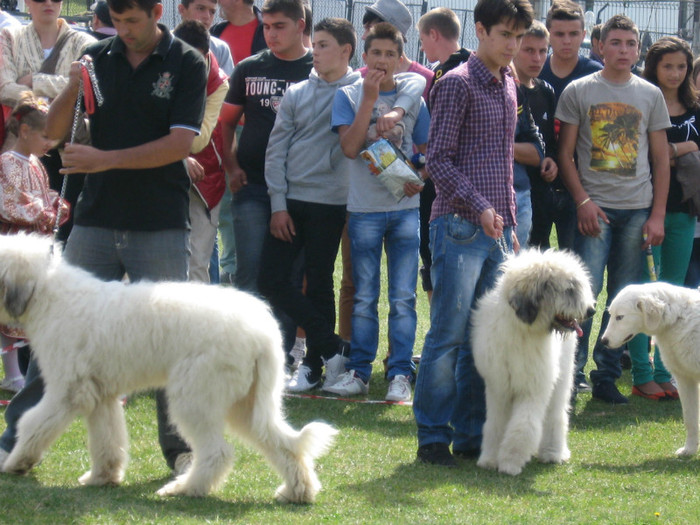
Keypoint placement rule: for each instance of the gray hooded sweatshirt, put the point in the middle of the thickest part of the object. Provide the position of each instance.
(303, 160)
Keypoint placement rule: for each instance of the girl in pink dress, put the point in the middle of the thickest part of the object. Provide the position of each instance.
(26, 202)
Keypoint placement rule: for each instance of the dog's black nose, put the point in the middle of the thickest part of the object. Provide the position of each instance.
(590, 312)
(604, 341)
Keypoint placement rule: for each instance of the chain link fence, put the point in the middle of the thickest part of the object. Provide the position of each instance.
(654, 18)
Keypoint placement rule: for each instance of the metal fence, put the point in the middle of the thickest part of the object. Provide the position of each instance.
(654, 18)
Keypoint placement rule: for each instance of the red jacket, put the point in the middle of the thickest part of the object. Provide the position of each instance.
(212, 187)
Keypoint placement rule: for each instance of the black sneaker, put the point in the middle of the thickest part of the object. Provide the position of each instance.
(608, 392)
(436, 454)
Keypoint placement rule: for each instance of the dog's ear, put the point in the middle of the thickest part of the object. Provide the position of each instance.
(16, 297)
(652, 311)
(526, 305)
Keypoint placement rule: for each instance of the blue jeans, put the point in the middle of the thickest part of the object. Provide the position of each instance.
(108, 255)
(251, 222)
(619, 247)
(397, 231)
(449, 403)
(524, 217)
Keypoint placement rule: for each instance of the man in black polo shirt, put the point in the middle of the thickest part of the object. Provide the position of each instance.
(132, 215)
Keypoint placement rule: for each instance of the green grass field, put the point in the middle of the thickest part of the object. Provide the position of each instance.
(622, 470)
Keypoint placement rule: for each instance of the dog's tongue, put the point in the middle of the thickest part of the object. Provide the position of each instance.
(577, 327)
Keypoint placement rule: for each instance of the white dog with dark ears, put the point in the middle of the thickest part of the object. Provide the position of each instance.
(672, 315)
(524, 341)
(216, 351)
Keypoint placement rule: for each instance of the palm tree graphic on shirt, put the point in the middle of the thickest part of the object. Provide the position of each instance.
(615, 138)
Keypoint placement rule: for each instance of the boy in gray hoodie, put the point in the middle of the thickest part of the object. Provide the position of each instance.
(307, 182)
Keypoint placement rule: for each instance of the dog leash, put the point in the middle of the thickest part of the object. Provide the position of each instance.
(89, 91)
(503, 246)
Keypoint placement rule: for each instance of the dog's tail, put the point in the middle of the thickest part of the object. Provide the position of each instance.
(291, 452)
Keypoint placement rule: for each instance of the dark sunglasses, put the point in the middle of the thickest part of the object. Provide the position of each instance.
(44, 1)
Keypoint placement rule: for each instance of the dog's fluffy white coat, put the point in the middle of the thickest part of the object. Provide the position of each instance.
(672, 315)
(216, 351)
(524, 350)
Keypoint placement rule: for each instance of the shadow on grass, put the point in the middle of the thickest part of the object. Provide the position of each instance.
(594, 414)
(667, 464)
(410, 483)
(127, 502)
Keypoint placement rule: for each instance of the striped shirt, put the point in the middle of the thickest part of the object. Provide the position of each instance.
(470, 145)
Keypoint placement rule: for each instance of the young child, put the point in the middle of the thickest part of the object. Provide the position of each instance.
(363, 113)
(26, 202)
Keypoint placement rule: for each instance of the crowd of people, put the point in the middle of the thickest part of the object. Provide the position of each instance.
(256, 133)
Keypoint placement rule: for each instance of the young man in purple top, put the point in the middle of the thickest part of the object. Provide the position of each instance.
(470, 159)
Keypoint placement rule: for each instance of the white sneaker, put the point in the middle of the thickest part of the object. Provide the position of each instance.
(348, 384)
(399, 389)
(335, 367)
(301, 380)
(298, 351)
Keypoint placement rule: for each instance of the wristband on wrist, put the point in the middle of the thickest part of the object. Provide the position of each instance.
(584, 201)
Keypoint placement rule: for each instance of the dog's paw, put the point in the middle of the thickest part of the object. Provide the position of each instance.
(686, 451)
(174, 488)
(285, 495)
(487, 463)
(510, 468)
(96, 480)
(19, 466)
(554, 456)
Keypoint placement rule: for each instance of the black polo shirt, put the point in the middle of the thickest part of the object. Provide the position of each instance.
(167, 90)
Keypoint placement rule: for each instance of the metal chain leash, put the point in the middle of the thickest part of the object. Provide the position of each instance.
(503, 246)
(94, 90)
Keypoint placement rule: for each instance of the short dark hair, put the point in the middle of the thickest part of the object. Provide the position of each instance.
(565, 10)
(622, 22)
(511, 12)
(384, 31)
(293, 9)
(308, 19)
(119, 6)
(537, 30)
(194, 33)
(687, 94)
(441, 19)
(340, 29)
(187, 3)
(371, 18)
(595, 31)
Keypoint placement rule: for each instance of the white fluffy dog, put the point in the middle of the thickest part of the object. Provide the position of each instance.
(524, 347)
(216, 351)
(672, 315)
